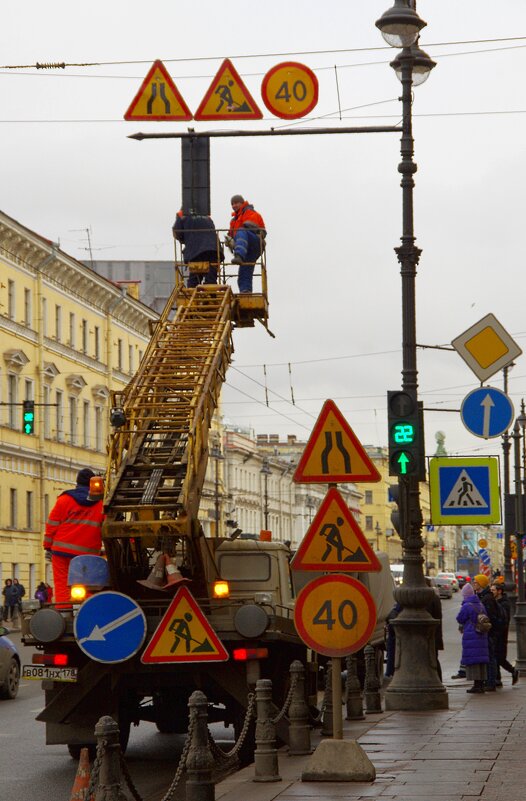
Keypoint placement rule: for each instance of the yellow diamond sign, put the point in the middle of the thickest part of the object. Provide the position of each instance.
(486, 347)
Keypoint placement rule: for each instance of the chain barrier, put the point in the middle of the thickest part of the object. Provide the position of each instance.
(128, 779)
(95, 770)
(227, 756)
(182, 762)
(285, 708)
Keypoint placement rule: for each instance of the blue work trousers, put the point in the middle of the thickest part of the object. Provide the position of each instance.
(247, 246)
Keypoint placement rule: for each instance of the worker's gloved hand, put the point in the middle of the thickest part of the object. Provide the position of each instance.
(48, 555)
(229, 242)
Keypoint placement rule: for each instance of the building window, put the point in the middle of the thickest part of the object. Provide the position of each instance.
(73, 420)
(13, 511)
(85, 424)
(97, 342)
(44, 317)
(11, 299)
(119, 354)
(58, 323)
(29, 510)
(47, 415)
(59, 419)
(28, 394)
(368, 496)
(84, 336)
(12, 399)
(98, 428)
(46, 507)
(368, 523)
(27, 308)
(130, 359)
(141, 354)
(72, 325)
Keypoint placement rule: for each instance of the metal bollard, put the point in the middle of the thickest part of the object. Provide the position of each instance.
(373, 699)
(109, 784)
(299, 729)
(328, 723)
(353, 691)
(199, 762)
(266, 754)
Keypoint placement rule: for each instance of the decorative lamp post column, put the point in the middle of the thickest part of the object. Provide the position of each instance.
(520, 608)
(509, 581)
(415, 685)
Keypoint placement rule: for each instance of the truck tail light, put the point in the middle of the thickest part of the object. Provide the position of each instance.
(244, 654)
(221, 589)
(58, 660)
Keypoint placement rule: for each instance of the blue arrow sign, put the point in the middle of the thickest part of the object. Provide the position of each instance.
(110, 627)
(487, 412)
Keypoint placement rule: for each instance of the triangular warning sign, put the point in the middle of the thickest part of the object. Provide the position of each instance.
(464, 494)
(228, 98)
(158, 98)
(333, 452)
(184, 635)
(335, 541)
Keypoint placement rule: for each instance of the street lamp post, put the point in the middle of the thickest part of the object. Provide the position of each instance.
(415, 685)
(520, 609)
(265, 472)
(509, 582)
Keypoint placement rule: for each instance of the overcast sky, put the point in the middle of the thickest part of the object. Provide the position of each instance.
(332, 205)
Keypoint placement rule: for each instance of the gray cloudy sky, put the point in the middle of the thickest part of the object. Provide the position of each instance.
(332, 204)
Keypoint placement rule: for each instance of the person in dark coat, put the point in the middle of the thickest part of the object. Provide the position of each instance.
(41, 593)
(481, 586)
(10, 594)
(200, 242)
(475, 648)
(501, 645)
(21, 591)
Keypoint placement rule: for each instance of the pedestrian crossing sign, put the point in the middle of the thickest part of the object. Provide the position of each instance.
(335, 541)
(333, 452)
(464, 490)
(184, 635)
(158, 98)
(228, 98)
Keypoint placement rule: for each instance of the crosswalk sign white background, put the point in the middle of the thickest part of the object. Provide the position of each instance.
(464, 490)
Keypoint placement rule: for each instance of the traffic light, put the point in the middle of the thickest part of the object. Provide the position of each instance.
(405, 420)
(28, 418)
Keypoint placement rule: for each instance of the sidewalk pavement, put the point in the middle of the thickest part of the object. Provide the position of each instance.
(474, 750)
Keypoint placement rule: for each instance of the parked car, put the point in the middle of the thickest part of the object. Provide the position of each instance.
(452, 579)
(9, 666)
(443, 585)
(462, 579)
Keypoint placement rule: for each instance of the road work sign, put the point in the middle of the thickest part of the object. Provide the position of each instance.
(228, 98)
(335, 615)
(110, 627)
(335, 541)
(333, 452)
(464, 490)
(184, 635)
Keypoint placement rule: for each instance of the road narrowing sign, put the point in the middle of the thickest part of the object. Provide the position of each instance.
(227, 98)
(335, 615)
(464, 490)
(158, 98)
(334, 453)
(184, 635)
(290, 90)
(335, 541)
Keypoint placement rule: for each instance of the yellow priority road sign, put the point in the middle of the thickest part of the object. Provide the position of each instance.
(335, 541)
(335, 615)
(184, 635)
(290, 90)
(158, 98)
(333, 452)
(486, 347)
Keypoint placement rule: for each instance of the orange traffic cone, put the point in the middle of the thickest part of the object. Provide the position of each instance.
(173, 576)
(81, 783)
(156, 579)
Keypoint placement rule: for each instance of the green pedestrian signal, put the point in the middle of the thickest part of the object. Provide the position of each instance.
(28, 419)
(405, 435)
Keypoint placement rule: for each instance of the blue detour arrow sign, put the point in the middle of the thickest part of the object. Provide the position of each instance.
(487, 412)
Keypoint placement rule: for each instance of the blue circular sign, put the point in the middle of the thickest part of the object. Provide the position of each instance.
(487, 412)
(110, 627)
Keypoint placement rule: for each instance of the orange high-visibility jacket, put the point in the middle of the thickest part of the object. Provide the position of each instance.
(74, 527)
(246, 213)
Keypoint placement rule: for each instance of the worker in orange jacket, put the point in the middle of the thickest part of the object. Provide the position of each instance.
(246, 236)
(74, 527)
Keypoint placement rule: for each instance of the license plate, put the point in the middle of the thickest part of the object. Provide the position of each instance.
(47, 672)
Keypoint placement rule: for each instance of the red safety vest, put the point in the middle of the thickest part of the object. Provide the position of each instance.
(74, 529)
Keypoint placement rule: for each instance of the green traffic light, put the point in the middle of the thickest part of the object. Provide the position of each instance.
(403, 460)
(403, 433)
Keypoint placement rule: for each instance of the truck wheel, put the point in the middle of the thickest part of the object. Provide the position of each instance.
(12, 680)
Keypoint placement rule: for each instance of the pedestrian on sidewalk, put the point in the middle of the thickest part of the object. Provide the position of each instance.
(475, 648)
(10, 607)
(501, 648)
(482, 589)
(21, 591)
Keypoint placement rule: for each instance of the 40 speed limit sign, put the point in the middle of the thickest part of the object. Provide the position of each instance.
(335, 615)
(290, 90)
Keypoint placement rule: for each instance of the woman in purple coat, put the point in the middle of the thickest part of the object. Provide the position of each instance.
(475, 649)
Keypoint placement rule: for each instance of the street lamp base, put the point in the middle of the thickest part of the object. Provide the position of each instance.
(415, 686)
(520, 624)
